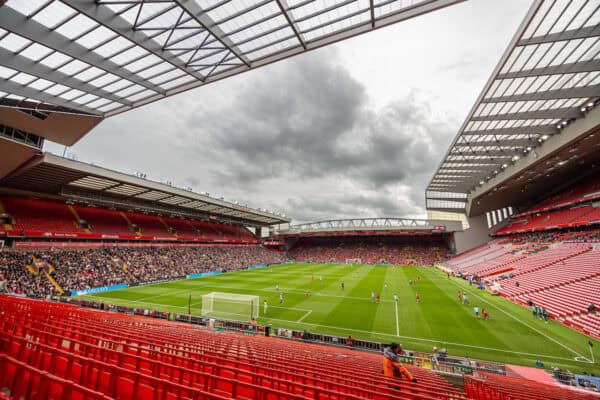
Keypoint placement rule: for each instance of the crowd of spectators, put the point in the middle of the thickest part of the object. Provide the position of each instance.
(88, 268)
(17, 279)
(580, 234)
(394, 250)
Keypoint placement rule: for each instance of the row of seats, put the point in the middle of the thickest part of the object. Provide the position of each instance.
(577, 268)
(130, 357)
(499, 387)
(568, 217)
(589, 323)
(567, 300)
(585, 190)
(561, 276)
(41, 216)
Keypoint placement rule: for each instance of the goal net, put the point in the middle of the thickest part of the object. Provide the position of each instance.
(353, 261)
(230, 306)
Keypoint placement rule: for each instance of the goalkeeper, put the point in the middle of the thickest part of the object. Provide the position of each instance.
(391, 364)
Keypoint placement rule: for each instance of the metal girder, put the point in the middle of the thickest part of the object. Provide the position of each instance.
(570, 93)
(557, 113)
(490, 153)
(583, 66)
(372, 7)
(283, 6)
(24, 91)
(582, 33)
(17, 62)
(458, 200)
(198, 14)
(28, 28)
(522, 130)
(106, 17)
(500, 142)
(444, 170)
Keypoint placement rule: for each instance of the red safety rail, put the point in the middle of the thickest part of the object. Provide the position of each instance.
(134, 357)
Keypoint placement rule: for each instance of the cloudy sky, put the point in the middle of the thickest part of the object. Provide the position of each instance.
(351, 130)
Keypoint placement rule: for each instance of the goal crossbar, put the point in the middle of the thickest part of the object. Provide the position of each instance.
(230, 305)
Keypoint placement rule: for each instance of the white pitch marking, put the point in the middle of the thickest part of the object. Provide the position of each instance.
(527, 325)
(305, 315)
(426, 340)
(397, 323)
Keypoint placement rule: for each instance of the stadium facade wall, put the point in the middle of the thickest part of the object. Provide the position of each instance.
(477, 234)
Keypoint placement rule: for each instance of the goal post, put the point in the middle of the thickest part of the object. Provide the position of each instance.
(230, 306)
(353, 261)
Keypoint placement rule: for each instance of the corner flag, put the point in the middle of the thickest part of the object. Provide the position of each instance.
(190, 304)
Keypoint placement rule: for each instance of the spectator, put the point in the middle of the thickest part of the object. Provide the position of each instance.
(391, 363)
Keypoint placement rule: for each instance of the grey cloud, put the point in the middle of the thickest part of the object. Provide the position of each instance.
(311, 208)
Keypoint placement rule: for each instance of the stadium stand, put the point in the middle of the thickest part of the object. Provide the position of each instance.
(588, 324)
(183, 228)
(567, 300)
(149, 225)
(571, 207)
(396, 250)
(56, 350)
(498, 387)
(98, 267)
(103, 221)
(553, 269)
(31, 216)
(36, 218)
(585, 190)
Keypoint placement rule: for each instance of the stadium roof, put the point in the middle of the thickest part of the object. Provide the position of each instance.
(87, 183)
(103, 57)
(373, 224)
(548, 77)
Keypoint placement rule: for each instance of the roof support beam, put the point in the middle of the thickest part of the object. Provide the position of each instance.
(17, 62)
(16, 23)
(584, 66)
(443, 170)
(198, 14)
(372, 6)
(283, 6)
(500, 142)
(582, 33)
(464, 200)
(557, 113)
(570, 93)
(24, 91)
(491, 153)
(522, 130)
(105, 16)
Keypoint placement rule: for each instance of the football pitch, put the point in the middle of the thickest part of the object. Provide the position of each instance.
(511, 335)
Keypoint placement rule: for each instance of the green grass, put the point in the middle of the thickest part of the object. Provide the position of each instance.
(511, 335)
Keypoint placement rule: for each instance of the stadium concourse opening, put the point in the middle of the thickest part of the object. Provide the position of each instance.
(114, 285)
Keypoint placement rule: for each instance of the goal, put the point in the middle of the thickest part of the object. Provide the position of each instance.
(353, 261)
(236, 306)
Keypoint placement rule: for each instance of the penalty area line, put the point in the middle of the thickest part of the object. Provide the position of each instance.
(305, 315)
